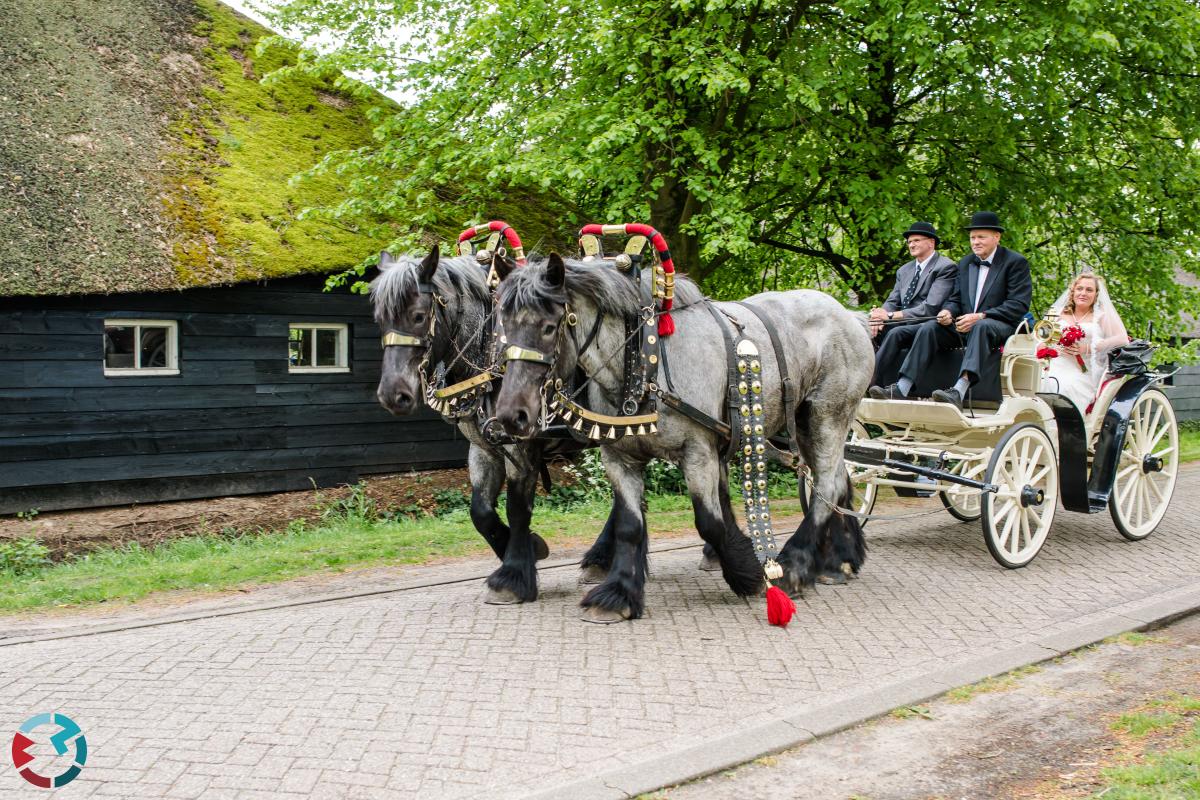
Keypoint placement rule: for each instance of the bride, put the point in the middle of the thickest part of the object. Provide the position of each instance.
(1085, 303)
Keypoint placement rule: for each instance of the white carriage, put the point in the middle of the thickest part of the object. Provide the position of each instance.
(1012, 466)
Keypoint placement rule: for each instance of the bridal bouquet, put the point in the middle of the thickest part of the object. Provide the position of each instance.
(1070, 335)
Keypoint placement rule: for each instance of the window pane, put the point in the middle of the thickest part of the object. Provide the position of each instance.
(118, 346)
(300, 347)
(154, 348)
(327, 348)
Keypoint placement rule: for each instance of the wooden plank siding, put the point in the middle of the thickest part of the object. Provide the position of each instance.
(1185, 393)
(234, 421)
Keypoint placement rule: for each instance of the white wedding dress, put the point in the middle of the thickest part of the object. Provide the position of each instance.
(1102, 332)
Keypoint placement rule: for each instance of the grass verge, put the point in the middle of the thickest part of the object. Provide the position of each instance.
(216, 562)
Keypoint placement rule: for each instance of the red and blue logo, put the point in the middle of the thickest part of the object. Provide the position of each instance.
(68, 737)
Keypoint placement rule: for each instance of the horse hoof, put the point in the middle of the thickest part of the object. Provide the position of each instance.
(710, 563)
(500, 597)
(541, 550)
(602, 616)
(848, 571)
(592, 574)
(832, 579)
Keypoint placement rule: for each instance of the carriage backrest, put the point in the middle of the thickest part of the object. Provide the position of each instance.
(1020, 370)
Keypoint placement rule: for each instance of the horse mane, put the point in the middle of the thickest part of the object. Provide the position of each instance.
(396, 285)
(600, 281)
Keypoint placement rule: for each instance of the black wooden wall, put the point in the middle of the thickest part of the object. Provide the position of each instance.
(234, 421)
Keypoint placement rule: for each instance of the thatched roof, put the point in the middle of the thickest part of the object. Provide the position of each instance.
(138, 150)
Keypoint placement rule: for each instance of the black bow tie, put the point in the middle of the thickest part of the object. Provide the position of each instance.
(983, 263)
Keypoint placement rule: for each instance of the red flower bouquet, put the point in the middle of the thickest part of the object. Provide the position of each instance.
(1070, 335)
(1047, 353)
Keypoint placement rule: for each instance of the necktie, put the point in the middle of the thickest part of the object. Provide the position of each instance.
(912, 288)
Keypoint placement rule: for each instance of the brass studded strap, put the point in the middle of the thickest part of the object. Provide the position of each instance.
(753, 456)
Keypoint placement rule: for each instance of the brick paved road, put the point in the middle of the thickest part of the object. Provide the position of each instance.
(428, 693)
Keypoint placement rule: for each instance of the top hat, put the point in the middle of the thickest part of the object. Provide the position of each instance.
(922, 229)
(986, 220)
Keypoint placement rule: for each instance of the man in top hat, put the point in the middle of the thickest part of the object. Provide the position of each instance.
(922, 286)
(992, 293)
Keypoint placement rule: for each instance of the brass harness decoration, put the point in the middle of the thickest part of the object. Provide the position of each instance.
(754, 456)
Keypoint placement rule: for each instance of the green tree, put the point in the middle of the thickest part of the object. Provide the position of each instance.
(788, 143)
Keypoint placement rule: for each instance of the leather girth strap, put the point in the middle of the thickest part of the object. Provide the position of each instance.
(785, 379)
(676, 403)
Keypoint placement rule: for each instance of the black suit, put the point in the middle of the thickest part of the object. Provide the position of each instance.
(1007, 292)
(933, 289)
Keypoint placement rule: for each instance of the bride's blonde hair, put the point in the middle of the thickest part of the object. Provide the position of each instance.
(1069, 304)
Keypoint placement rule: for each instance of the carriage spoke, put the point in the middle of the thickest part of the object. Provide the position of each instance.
(1158, 494)
(1022, 536)
(1123, 490)
(1040, 476)
(1153, 426)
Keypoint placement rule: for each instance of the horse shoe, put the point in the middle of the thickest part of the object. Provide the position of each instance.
(603, 616)
(500, 597)
(592, 574)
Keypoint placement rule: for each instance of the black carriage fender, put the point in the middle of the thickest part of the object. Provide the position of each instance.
(1112, 438)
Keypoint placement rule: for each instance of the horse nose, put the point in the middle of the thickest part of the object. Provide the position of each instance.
(515, 421)
(398, 402)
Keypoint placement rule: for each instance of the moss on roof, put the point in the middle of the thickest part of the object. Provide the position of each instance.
(138, 150)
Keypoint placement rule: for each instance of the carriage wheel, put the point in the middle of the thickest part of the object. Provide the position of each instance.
(865, 490)
(1017, 517)
(1148, 467)
(962, 501)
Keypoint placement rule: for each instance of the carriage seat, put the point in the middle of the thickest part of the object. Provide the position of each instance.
(946, 368)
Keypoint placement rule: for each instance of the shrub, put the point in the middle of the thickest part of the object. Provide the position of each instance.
(23, 555)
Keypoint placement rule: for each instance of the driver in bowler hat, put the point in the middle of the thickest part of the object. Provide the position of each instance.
(992, 292)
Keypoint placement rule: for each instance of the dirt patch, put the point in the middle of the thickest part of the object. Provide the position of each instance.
(1047, 735)
(67, 532)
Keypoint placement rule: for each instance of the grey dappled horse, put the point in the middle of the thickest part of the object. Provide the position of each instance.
(459, 305)
(829, 357)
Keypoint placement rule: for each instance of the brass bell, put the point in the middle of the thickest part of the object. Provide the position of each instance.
(741, 366)
(757, 387)
(746, 449)
(745, 409)
(755, 366)
(757, 408)
(742, 387)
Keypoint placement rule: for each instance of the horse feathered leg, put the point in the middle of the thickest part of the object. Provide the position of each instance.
(849, 544)
(516, 579)
(622, 594)
(825, 539)
(487, 476)
(708, 485)
(598, 559)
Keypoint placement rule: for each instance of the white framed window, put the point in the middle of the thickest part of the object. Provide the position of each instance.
(318, 347)
(141, 347)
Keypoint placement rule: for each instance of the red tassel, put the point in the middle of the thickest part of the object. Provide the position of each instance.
(666, 325)
(780, 607)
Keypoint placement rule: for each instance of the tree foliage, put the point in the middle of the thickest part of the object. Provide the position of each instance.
(780, 143)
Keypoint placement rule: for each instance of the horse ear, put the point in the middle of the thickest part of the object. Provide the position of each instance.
(503, 266)
(430, 264)
(385, 259)
(556, 271)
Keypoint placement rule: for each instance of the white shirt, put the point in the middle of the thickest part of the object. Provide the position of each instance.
(983, 273)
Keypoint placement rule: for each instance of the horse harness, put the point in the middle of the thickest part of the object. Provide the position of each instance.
(745, 434)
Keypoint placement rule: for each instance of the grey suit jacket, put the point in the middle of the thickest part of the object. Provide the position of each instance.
(937, 281)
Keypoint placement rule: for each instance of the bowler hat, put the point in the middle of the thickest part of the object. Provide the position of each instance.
(985, 219)
(922, 229)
